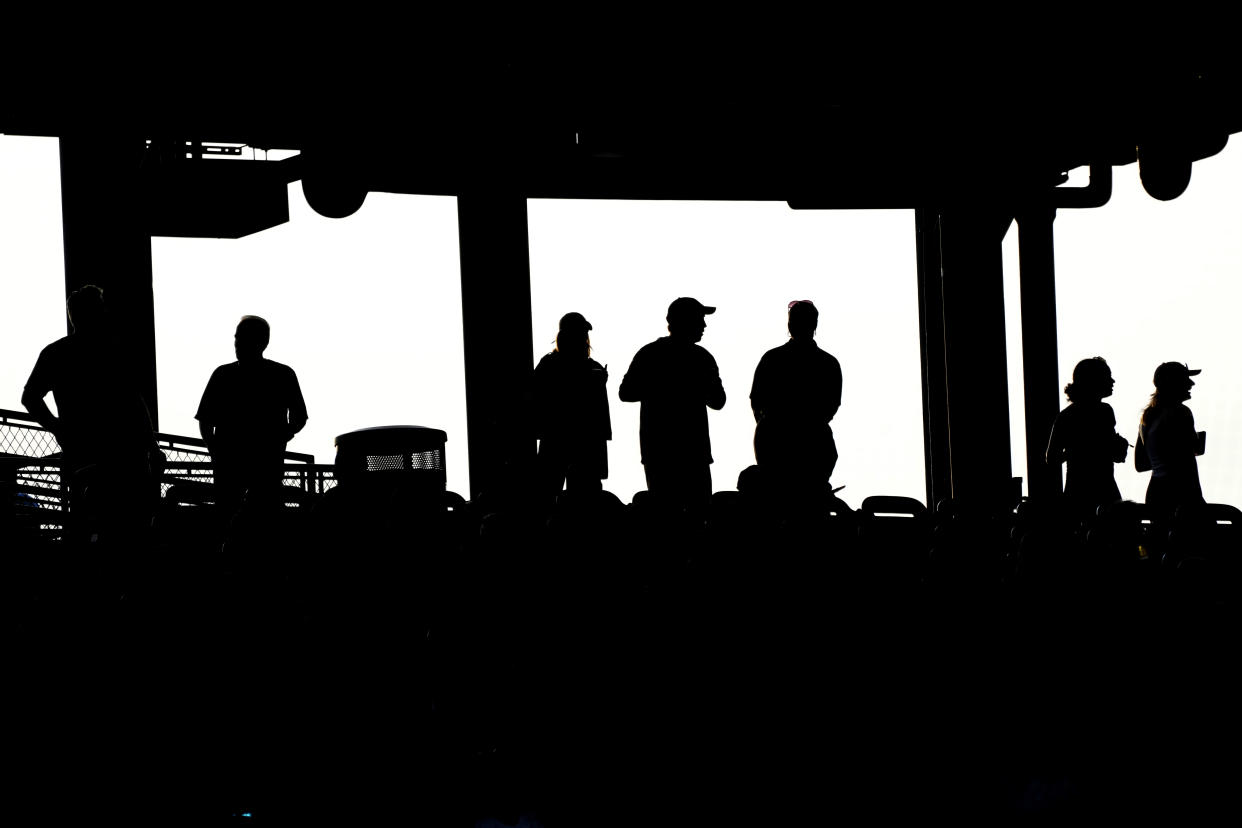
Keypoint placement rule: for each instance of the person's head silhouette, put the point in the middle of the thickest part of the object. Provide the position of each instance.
(253, 334)
(1173, 381)
(86, 310)
(686, 319)
(1093, 381)
(803, 319)
(572, 338)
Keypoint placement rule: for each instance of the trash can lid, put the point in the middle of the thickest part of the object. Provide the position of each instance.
(392, 438)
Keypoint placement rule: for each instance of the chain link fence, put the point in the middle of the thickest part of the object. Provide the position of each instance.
(32, 497)
(33, 500)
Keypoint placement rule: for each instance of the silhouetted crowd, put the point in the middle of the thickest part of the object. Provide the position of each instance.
(1085, 439)
(545, 650)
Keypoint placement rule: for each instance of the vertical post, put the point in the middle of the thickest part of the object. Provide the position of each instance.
(1039, 345)
(976, 372)
(931, 338)
(497, 335)
(107, 243)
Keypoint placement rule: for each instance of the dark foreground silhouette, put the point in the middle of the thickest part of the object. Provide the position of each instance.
(405, 653)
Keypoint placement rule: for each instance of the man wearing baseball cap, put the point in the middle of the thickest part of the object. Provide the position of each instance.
(1168, 442)
(676, 380)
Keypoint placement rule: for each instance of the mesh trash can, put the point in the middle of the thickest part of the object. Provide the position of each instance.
(400, 455)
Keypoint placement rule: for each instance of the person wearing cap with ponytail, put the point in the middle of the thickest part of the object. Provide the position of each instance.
(676, 380)
(1168, 442)
(572, 422)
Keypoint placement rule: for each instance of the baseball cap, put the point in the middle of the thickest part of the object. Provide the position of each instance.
(1173, 373)
(684, 307)
(574, 321)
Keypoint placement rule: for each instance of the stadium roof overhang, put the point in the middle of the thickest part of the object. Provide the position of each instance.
(698, 125)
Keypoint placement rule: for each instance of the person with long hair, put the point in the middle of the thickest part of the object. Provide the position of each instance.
(1169, 444)
(1084, 437)
(572, 421)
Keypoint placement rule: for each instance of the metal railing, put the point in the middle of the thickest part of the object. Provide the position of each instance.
(32, 491)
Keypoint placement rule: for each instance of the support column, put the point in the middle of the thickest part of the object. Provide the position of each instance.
(497, 335)
(1040, 366)
(107, 243)
(931, 335)
(975, 371)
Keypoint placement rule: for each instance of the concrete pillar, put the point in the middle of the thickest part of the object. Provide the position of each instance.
(931, 335)
(496, 319)
(1040, 368)
(973, 376)
(107, 243)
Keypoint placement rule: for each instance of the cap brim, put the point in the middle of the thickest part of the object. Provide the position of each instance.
(707, 310)
(1196, 372)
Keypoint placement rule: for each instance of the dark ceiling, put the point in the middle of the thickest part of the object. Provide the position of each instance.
(840, 126)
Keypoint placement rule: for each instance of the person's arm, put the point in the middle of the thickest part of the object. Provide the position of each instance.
(633, 384)
(1197, 438)
(834, 389)
(1055, 453)
(297, 406)
(206, 412)
(38, 409)
(599, 400)
(715, 393)
(36, 389)
(1120, 445)
(758, 386)
(1142, 460)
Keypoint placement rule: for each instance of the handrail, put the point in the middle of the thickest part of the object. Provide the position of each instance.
(37, 476)
(175, 442)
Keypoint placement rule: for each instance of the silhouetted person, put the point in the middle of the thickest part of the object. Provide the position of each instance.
(102, 424)
(249, 412)
(676, 380)
(1168, 442)
(795, 394)
(1084, 437)
(572, 421)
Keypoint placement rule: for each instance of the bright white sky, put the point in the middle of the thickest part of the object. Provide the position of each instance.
(368, 310)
